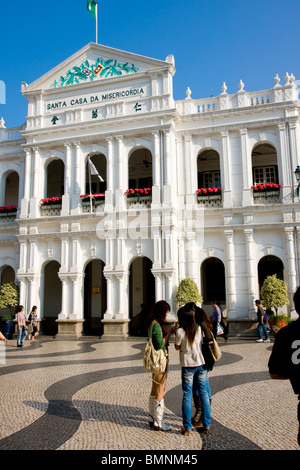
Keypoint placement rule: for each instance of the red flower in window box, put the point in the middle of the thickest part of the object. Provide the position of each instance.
(49, 201)
(95, 197)
(138, 192)
(8, 209)
(208, 191)
(262, 187)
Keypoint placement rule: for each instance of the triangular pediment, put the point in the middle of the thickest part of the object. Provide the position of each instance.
(96, 63)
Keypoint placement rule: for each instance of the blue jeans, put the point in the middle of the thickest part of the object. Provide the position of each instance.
(199, 375)
(22, 333)
(259, 328)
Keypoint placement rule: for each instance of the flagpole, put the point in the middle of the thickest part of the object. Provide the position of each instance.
(96, 23)
(90, 184)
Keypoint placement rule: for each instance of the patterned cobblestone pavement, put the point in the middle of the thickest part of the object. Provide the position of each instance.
(93, 395)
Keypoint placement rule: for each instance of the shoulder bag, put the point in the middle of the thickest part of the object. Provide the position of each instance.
(154, 361)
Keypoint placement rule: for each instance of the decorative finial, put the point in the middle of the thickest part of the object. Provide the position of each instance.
(188, 93)
(276, 80)
(241, 85)
(224, 87)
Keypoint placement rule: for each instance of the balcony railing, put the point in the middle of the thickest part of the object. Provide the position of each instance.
(138, 198)
(90, 202)
(51, 206)
(8, 213)
(209, 196)
(266, 193)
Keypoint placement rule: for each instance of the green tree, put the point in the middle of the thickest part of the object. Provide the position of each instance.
(9, 296)
(187, 291)
(274, 293)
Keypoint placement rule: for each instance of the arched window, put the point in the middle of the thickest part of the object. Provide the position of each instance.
(55, 178)
(264, 164)
(11, 189)
(140, 169)
(208, 168)
(93, 183)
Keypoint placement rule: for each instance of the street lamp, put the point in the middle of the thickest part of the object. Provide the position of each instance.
(297, 174)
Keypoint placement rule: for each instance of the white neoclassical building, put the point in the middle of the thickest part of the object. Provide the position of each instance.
(218, 197)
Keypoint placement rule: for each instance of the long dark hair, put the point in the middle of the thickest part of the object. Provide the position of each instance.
(189, 325)
(202, 317)
(158, 312)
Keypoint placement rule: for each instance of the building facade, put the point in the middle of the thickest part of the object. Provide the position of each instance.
(112, 192)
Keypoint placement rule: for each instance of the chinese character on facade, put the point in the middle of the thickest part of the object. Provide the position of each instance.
(54, 119)
(138, 107)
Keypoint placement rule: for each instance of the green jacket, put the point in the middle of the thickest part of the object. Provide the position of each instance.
(157, 336)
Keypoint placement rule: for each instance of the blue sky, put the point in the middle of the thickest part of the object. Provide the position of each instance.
(212, 41)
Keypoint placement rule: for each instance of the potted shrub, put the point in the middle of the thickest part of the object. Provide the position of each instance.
(187, 291)
(9, 298)
(274, 295)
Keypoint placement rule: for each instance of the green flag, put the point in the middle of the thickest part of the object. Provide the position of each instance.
(91, 6)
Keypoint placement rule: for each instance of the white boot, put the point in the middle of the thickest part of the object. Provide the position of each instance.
(152, 409)
(159, 423)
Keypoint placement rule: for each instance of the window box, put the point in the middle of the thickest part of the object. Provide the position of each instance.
(98, 199)
(51, 206)
(139, 197)
(266, 192)
(209, 196)
(8, 212)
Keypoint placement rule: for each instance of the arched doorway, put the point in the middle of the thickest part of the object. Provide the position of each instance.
(55, 178)
(94, 297)
(52, 298)
(213, 284)
(7, 275)
(267, 266)
(141, 292)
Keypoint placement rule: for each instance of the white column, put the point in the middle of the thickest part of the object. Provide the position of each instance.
(109, 311)
(156, 160)
(295, 157)
(77, 312)
(34, 201)
(64, 298)
(122, 304)
(158, 286)
(189, 180)
(251, 271)
(292, 283)
(120, 163)
(67, 183)
(283, 164)
(246, 168)
(225, 165)
(231, 292)
(169, 293)
(24, 201)
(120, 197)
(109, 173)
(77, 186)
(22, 293)
(167, 157)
